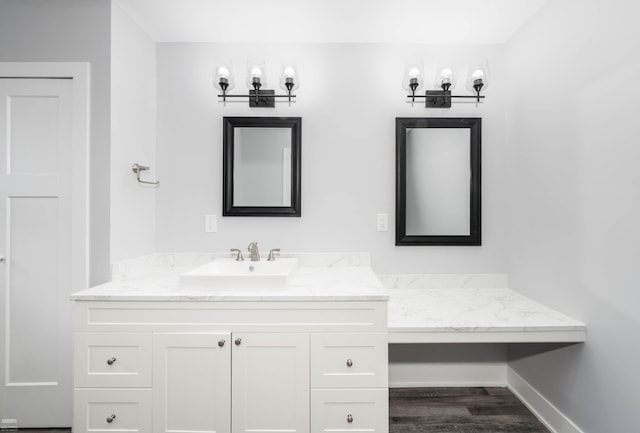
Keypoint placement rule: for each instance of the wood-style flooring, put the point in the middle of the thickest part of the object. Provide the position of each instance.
(447, 410)
(459, 410)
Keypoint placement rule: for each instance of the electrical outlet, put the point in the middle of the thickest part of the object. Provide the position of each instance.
(210, 224)
(382, 220)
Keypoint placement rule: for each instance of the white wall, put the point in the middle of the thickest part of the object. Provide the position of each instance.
(73, 31)
(574, 194)
(133, 138)
(349, 98)
(425, 365)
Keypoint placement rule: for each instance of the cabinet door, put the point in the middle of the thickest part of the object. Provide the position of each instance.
(191, 383)
(270, 383)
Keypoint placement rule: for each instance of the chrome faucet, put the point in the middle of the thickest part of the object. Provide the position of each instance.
(272, 254)
(253, 250)
(238, 254)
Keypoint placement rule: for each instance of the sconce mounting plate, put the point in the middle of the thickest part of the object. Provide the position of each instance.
(265, 98)
(438, 99)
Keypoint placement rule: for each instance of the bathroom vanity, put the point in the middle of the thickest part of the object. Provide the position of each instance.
(151, 356)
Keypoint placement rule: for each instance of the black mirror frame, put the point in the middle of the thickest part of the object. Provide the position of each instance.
(229, 123)
(474, 124)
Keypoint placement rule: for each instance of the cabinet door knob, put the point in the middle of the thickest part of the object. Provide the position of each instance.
(349, 418)
(111, 418)
(110, 361)
(349, 362)
(221, 342)
(238, 341)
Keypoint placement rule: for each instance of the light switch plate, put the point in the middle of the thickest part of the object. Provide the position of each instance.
(382, 222)
(210, 224)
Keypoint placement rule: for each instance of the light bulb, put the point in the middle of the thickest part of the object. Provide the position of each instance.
(478, 77)
(256, 75)
(412, 78)
(289, 80)
(223, 72)
(445, 77)
(289, 72)
(256, 72)
(223, 79)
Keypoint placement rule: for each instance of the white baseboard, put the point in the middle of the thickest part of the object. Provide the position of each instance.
(445, 384)
(542, 408)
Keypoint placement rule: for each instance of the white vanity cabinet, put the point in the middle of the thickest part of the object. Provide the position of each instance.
(153, 366)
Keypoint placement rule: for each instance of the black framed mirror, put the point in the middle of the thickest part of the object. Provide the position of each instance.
(438, 181)
(261, 166)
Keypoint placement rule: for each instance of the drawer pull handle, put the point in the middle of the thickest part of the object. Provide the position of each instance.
(111, 418)
(238, 341)
(110, 361)
(349, 362)
(349, 418)
(221, 343)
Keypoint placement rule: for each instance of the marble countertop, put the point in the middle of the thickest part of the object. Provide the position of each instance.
(472, 310)
(476, 315)
(464, 308)
(327, 277)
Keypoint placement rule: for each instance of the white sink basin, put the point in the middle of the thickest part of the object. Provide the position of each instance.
(229, 274)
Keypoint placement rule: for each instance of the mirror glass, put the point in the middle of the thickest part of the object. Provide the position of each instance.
(261, 166)
(438, 181)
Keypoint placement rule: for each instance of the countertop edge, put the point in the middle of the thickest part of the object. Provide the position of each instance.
(233, 298)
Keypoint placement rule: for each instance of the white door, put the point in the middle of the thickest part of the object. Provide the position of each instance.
(191, 383)
(37, 273)
(270, 377)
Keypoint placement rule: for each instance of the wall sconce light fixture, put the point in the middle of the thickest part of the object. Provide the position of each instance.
(256, 80)
(477, 79)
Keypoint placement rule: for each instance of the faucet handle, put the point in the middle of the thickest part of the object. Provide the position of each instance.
(272, 254)
(238, 254)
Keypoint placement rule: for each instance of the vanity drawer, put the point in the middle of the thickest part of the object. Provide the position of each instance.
(349, 410)
(108, 410)
(349, 360)
(113, 360)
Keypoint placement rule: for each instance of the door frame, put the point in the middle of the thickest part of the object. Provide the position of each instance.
(79, 73)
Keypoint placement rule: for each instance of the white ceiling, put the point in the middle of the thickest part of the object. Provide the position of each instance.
(327, 21)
